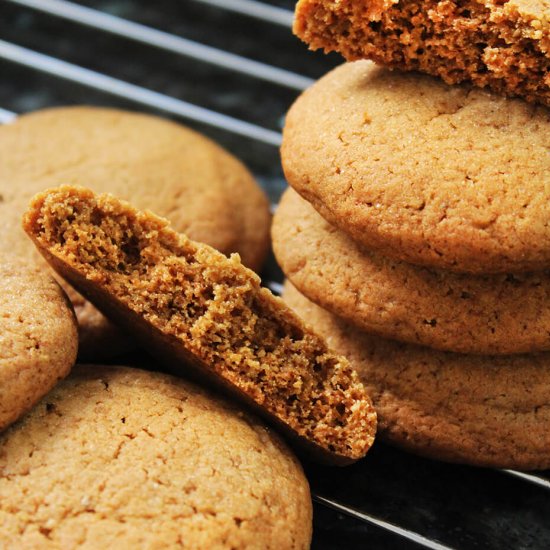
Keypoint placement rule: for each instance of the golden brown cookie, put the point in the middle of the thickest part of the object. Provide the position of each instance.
(153, 162)
(485, 411)
(202, 312)
(38, 337)
(487, 314)
(502, 45)
(449, 177)
(123, 458)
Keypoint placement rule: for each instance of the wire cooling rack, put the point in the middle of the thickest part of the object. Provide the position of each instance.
(231, 69)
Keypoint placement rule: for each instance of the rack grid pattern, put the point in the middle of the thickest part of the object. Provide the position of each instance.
(337, 495)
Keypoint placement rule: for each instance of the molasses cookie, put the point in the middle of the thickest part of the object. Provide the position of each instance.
(485, 411)
(486, 314)
(449, 177)
(123, 458)
(38, 337)
(153, 162)
(206, 314)
(502, 45)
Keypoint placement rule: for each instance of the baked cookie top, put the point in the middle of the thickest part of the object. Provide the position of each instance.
(449, 177)
(38, 337)
(484, 411)
(155, 163)
(116, 457)
(487, 314)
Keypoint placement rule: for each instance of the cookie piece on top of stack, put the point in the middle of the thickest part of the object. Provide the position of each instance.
(425, 249)
(501, 45)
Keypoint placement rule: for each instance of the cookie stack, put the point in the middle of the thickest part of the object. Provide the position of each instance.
(417, 236)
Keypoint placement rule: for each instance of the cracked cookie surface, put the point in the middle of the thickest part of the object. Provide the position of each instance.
(123, 458)
(449, 177)
(38, 337)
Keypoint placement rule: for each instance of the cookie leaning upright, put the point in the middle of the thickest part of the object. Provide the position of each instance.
(155, 163)
(116, 457)
(449, 177)
(38, 337)
(204, 314)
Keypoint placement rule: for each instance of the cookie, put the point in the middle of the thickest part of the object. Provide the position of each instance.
(123, 458)
(478, 410)
(502, 45)
(202, 312)
(449, 177)
(485, 314)
(157, 164)
(38, 337)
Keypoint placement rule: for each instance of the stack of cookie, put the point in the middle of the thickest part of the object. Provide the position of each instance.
(417, 235)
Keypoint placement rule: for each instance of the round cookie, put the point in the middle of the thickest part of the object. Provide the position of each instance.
(148, 460)
(156, 164)
(486, 314)
(38, 337)
(484, 411)
(449, 177)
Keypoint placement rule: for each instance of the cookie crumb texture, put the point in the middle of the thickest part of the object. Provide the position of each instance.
(445, 176)
(192, 304)
(484, 411)
(38, 337)
(501, 45)
(123, 458)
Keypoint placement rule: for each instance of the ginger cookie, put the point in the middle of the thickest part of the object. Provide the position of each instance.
(480, 410)
(38, 337)
(206, 314)
(449, 177)
(502, 45)
(153, 162)
(486, 314)
(116, 457)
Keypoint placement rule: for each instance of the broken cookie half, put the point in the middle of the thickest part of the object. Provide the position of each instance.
(204, 314)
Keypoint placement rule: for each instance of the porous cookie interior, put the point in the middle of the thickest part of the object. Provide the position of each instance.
(215, 308)
(479, 41)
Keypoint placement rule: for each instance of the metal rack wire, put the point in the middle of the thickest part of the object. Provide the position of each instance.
(383, 528)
